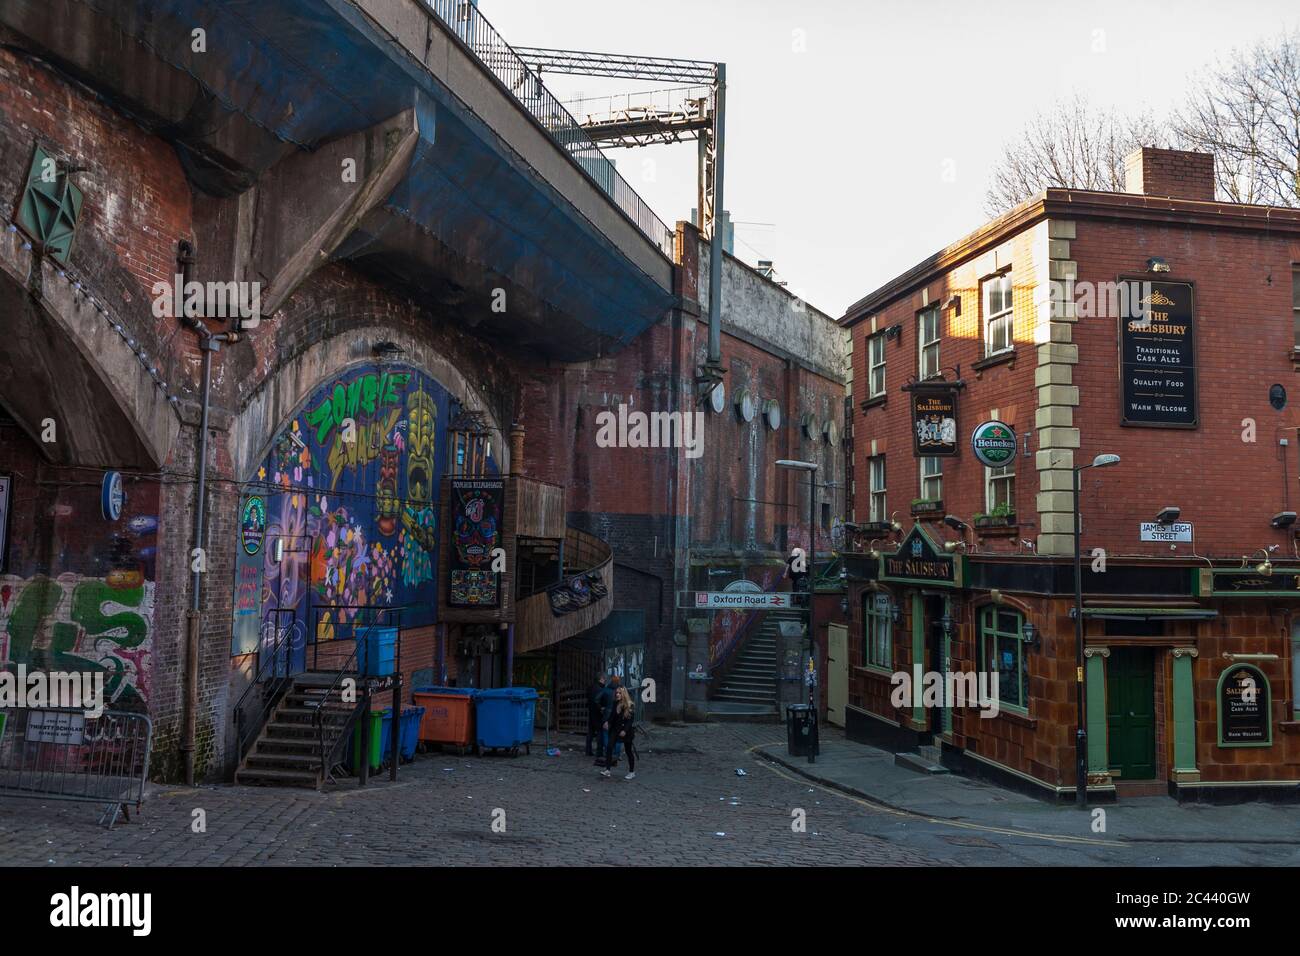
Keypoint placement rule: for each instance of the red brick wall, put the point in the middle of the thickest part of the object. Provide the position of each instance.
(1170, 172)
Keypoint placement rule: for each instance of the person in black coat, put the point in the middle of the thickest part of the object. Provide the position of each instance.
(596, 714)
(622, 730)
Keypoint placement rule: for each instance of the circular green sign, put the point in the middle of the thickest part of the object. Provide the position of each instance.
(994, 443)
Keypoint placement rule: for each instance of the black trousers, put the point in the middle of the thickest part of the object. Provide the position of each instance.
(629, 748)
(593, 734)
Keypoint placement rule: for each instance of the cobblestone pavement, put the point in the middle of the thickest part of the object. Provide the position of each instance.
(687, 806)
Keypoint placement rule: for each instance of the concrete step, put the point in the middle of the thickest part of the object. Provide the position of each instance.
(743, 697)
(910, 761)
(277, 778)
(287, 745)
(263, 761)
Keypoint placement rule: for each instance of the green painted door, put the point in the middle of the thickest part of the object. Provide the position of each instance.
(1130, 712)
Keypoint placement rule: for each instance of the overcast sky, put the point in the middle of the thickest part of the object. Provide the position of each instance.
(873, 146)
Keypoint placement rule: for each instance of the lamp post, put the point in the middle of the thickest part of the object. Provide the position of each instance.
(1081, 733)
(811, 469)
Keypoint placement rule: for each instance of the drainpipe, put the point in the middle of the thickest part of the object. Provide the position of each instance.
(208, 343)
(715, 247)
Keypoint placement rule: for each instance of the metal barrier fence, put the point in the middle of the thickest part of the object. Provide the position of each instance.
(61, 754)
(463, 19)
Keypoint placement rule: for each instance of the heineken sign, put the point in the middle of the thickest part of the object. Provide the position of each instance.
(994, 443)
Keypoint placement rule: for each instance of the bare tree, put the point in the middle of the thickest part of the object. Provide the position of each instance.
(1247, 112)
(1070, 146)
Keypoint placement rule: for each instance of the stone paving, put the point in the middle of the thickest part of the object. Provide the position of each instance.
(687, 806)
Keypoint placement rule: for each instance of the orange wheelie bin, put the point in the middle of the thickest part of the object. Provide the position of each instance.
(448, 716)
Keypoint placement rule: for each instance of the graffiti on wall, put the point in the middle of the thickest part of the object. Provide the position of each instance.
(76, 623)
(349, 487)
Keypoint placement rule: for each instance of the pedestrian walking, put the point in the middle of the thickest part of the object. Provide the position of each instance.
(596, 715)
(622, 730)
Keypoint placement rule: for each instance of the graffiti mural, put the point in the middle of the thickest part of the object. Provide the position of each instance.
(349, 489)
(76, 623)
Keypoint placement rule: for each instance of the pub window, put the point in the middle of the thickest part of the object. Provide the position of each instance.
(876, 365)
(928, 343)
(877, 616)
(1295, 670)
(1000, 489)
(1002, 652)
(997, 314)
(1295, 304)
(931, 478)
(879, 512)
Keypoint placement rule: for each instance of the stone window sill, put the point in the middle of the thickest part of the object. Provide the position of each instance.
(998, 358)
(877, 402)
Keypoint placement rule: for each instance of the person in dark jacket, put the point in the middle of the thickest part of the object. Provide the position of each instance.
(596, 714)
(622, 730)
(606, 709)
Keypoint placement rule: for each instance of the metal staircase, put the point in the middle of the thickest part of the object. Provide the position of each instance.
(749, 686)
(296, 745)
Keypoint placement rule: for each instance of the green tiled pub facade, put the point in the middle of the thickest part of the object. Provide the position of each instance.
(1190, 672)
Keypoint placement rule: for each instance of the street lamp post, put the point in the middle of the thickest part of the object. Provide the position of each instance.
(1081, 733)
(811, 469)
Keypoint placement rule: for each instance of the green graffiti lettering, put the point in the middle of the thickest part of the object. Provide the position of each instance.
(369, 392)
(126, 628)
(354, 397)
(320, 419)
(36, 602)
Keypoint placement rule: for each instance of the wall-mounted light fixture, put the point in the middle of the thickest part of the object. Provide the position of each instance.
(954, 303)
(1029, 633)
(1168, 514)
(277, 550)
(894, 332)
(1156, 264)
(1283, 519)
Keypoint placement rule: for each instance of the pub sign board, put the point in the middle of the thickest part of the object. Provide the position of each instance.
(934, 423)
(1244, 708)
(1157, 353)
(919, 561)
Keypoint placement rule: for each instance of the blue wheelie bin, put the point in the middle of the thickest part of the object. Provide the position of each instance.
(408, 734)
(503, 718)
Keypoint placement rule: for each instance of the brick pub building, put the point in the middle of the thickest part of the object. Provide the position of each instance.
(1156, 325)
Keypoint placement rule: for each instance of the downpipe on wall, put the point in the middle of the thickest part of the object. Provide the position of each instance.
(209, 342)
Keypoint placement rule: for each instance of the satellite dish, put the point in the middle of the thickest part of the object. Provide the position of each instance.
(718, 398)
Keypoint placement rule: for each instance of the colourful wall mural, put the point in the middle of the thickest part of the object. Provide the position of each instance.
(349, 486)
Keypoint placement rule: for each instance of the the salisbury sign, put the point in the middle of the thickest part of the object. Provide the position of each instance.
(917, 560)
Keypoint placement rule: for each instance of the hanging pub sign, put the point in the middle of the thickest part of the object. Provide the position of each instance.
(477, 506)
(919, 561)
(1157, 354)
(1244, 708)
(934, 423)
(994, 443)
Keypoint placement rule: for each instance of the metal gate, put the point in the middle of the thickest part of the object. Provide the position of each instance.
(62, 754)
(574, 672)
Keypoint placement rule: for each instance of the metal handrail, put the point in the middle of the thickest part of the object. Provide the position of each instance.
(501, 60)
(283, 640)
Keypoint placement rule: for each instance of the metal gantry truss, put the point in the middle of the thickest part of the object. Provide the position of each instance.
(703, 119)
(699, 115)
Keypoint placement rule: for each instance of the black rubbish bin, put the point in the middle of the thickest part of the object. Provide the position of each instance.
(801, 730)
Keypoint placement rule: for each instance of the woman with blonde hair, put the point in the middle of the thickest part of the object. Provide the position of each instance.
(622, 728)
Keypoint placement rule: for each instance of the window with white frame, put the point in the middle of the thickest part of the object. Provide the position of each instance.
(928, 343)
(876, 365)
(931, 478)
(1002, 652)
(879, 511)
(1000, 489)
(877, 616)
(997, 314)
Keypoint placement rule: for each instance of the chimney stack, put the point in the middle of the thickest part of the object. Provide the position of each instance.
(1169, 173)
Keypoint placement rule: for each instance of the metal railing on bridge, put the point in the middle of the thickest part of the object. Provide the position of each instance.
(482, 39)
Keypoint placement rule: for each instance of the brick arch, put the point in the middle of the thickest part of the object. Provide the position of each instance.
(279, 396)
(63, 359)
